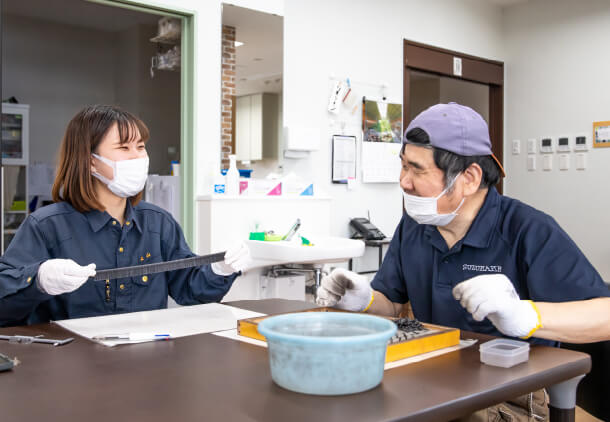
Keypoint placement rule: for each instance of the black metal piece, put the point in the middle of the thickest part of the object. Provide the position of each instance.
(408, 325)
(158, 267)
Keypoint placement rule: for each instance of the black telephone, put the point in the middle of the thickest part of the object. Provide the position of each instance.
(366, 229)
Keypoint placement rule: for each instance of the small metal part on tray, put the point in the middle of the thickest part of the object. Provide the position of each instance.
(407, 324)
(408, 329)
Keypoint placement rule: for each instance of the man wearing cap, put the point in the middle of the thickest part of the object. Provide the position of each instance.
(466, 257)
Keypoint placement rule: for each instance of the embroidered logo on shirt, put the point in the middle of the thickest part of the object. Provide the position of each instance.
(482, 268)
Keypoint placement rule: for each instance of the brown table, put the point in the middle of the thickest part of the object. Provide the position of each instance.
(205, 377)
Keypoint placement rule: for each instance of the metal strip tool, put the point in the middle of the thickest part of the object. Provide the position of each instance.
(158, 267)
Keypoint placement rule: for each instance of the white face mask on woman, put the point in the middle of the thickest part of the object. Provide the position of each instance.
(129, 176)
(424, 210)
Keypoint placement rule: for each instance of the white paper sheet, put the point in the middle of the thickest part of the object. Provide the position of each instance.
(344, 158)
(232, 334)
(177, 322)
(380, 162)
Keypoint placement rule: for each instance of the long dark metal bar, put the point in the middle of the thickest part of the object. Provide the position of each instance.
(158, 267)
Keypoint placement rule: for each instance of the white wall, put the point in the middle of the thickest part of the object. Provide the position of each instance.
(367, 45)
(557, 83)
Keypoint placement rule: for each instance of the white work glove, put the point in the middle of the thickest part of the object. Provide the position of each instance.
(57, 276)
(345, 290)
(237, 258)
(494, 296)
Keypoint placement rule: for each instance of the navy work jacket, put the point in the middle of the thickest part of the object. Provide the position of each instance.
(506, 237)
(149, 235)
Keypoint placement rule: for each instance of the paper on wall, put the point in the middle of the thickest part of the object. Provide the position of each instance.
(380, 162)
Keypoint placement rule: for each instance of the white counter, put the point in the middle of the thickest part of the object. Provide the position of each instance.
(224, 220)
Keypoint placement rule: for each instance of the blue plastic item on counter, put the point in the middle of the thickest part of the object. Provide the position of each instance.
(242, 172)
(327, 353)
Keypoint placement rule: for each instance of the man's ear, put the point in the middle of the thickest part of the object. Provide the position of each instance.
(473, 176)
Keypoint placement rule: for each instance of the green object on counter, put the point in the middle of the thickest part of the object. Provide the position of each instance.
(305, 241)
(272, 237)
(265, 236)
(18, 206)
(257, 235)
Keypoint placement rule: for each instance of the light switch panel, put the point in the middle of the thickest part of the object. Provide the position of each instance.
(564, 162)
(516, 147)
(531, 146)
(581, 161)
(547, 163)
(531, 162)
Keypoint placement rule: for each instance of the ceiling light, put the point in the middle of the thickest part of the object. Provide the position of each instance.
(238, 43)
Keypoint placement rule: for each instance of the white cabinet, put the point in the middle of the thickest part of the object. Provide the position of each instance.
(15, 134)
(256, 126)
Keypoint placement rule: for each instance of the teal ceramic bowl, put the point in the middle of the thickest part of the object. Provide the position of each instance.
(327, 353)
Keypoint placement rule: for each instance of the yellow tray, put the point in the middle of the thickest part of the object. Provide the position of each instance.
(437, 338)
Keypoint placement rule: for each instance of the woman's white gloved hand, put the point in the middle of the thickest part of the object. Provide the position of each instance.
(57, 276)
(345, 290)
(237, 258)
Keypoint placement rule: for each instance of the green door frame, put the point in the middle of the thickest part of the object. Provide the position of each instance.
(187, 104)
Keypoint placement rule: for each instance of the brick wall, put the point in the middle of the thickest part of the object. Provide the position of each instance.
(228, 94)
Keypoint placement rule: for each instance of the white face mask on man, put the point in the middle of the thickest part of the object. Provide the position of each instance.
(129, 176)
(424, 210)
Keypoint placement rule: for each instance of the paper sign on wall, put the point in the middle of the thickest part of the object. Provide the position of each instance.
(382, 141)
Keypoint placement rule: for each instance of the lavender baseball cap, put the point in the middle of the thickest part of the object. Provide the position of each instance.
(456, 128)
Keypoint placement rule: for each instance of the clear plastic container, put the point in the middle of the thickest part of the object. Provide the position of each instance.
(504, 352)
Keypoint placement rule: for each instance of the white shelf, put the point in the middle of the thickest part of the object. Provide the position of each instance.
(10, 231)
(16, 212)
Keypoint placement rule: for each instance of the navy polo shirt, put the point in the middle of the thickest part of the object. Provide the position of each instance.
(149, 235)
(506, 237)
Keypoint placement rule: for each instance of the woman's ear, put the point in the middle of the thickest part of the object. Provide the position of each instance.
(473, 176)
(93, 162)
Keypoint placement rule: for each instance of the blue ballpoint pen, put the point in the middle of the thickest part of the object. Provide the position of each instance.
(133, 337)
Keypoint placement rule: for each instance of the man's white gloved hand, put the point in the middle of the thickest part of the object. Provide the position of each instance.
(345, 290)
(237, 258)
(57, 276)
(494, 296)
